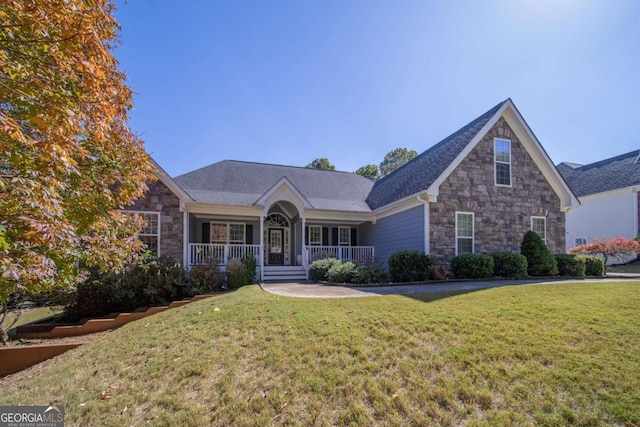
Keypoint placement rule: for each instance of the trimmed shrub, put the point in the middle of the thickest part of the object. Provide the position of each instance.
(540, 262)
(342, 272)
(373, 273)
(205, 278)
(472, 266)
(241, 272)
(410, 266)
(570, 265)
(593, 265)
(512, 266)
(319, 270)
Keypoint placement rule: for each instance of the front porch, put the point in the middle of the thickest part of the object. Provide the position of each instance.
(202, 253)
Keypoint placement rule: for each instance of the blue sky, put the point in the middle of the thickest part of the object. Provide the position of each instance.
(289, 81)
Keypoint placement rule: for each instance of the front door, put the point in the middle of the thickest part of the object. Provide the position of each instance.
(276, 247)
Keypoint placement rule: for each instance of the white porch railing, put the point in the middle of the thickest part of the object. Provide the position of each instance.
(356, 254)
(201, 253)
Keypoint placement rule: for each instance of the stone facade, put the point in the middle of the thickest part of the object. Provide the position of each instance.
(160, 198)
(502, 215)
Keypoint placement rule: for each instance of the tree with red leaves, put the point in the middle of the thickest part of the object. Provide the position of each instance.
(613, 248)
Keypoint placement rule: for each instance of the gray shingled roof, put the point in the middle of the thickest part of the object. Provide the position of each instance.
(606, 175)
(243, 183)
(418, 174)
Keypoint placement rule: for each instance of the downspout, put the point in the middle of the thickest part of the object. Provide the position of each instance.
(427, 224)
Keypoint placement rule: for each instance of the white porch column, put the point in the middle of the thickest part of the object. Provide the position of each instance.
(261, 261)
(185, 239)
(302, 245)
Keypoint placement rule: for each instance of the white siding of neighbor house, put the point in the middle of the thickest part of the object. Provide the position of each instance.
(607, 214)
(404, 230)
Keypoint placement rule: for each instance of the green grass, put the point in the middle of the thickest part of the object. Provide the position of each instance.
(32, 315)
(565, 354)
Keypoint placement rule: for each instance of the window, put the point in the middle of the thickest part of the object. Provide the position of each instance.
(580, 241)
(222, 233)
(344, 236)
(464, 233)
(218, 233)
(539, 225)
(150, 232)
(236, 234)
(315, 235)
(502, 157)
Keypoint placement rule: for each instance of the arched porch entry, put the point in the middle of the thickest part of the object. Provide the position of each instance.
(277, 239)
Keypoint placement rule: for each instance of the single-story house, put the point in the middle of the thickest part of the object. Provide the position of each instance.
(476, 191)
(609, 197)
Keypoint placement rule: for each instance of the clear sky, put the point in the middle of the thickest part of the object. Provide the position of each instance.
(289, 81)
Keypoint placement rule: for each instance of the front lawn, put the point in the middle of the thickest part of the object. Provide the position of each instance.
(32, 314)
(540, 354)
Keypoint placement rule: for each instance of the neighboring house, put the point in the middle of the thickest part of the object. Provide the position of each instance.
(608, 192)
(477, 191)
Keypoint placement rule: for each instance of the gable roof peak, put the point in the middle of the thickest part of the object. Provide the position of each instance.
(421, 171)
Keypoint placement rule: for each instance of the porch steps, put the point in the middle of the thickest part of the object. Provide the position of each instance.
(283, 273)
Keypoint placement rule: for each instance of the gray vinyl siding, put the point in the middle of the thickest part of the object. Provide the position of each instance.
(404, 230)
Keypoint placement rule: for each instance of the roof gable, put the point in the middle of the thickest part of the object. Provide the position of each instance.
(419, 174)
(425, 173)
(605, 175)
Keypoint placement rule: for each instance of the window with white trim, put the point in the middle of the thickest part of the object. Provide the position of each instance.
(223, 233)
(315, 235)
(464, 233)
(502, 160)
(149, 234)
(580, 241)
(344, 236)
(539, 225)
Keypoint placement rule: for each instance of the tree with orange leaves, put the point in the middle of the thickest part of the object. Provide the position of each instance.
(68, 160)
(608, 248)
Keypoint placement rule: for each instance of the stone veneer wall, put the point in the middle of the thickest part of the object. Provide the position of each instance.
(160, 198)
(502, 215)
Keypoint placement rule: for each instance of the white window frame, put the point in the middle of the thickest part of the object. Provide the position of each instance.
(496, 162)
(473, 231)
(228, 240)
(544, 218)
(318, 229)
(575, 241)
(156, 234)
(348, 242)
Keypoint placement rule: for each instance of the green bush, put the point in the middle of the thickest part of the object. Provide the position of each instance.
(205, 278)
(319, 270)
(472, 266)
(241, 272)
(570, 265)
(540, 262)
(342, 272)
(593, 265)
(512, 266)
(148, 282)
(410, 266)
(372, 273)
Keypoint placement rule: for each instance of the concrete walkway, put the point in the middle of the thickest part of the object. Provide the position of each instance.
(310, 289)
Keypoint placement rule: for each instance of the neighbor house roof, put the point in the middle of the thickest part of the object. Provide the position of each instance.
(606, 175)
(244, 183)
(418, 174)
